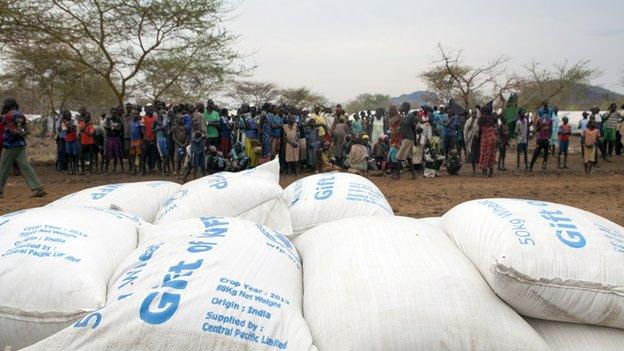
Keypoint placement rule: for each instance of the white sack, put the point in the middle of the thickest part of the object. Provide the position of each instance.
(253, 194)
(199, 284)
(55, 265)
(578, 337)
(547, 261)
(395, 283)
(143, 199)
(324, 198)
(434, 221)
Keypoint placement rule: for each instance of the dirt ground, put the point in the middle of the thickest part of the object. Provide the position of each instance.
(601, 193)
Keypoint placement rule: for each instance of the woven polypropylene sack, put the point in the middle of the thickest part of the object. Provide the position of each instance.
(324, 198)
(143, 199)
(395, 283)
(578, 337)
(55, 265)
(547, 261)
(210, 283)
(253, 194)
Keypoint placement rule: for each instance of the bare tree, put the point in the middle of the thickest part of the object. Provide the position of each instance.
(452, 78)
(115, 39)
(542, 84)
(253, 92)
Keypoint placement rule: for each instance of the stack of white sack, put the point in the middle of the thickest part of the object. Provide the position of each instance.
(547, 261)
(55, 265)
(253, 194)
(325, 198)
(207, 283)
(143, 199)
(394, 283)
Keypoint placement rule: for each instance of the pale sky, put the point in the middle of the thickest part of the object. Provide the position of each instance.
(342, 48)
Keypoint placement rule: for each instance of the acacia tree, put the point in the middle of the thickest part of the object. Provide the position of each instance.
(194, 79)
(451, 78)
(40, 75)
(301, 97)
(116, 39)
(549, 83)
(365, 102)
(253, 92)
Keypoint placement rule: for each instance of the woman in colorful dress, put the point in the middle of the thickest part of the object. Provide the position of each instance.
(487, 133)
(265, 138)
(291, 149)
(394, 124)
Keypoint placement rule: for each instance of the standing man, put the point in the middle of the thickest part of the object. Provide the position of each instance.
(582, 125)
(14, 148)
(211, 121)
(150, 151)
(544, 131)
(136, 141)
(127, 120)
(564, 141)
(407, 129)
(610, 121)
(554, 134)
(87, 143)
(522, 133)
(226, 125)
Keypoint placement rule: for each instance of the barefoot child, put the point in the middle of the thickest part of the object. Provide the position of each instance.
(591, 135)
(564, 141)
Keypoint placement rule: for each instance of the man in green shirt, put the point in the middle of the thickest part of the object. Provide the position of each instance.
(211, 120)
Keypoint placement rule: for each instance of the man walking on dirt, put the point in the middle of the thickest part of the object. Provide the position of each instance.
(14, 150)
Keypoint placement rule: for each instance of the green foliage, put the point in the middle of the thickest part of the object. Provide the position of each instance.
(129, 43)
(365, 102)
(301, 97)
(253, 93)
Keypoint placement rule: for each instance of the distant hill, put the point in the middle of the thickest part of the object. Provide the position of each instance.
(581, 98)
(416, 99)
(587, 96)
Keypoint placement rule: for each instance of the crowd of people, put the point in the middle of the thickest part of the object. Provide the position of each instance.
(188, 140)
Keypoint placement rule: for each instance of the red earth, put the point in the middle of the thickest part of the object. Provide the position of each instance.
(601, 193)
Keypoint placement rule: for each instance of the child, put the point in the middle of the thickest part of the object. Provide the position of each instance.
(380, 152)
(239, 161)
(564, 141)
(215, 162)
(180, 137)
(419, 149)
(161, 128)
(453, 163)
(99, 137)
(291, 145)
(71, 141)
(522, 140)
(136, 141)
(87, 143)
(225, 131)
(357, 160)
(435, 141)
(591, 135)
(312, 142)
(325, 164)
(433, 162)
(198, 155)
